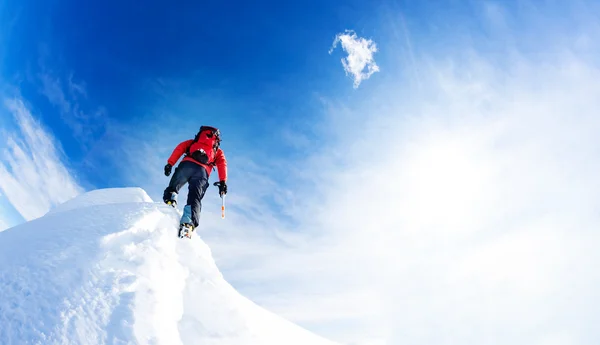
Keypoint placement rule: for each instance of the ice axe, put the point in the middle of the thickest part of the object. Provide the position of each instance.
(222, 202)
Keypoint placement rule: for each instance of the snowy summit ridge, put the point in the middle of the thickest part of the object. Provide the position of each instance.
(107, 268)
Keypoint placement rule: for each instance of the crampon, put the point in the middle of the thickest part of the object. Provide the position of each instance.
(186, 230)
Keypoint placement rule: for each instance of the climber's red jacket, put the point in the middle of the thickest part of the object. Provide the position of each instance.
(220, 161)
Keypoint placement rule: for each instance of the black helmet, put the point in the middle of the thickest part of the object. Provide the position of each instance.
(214, 131)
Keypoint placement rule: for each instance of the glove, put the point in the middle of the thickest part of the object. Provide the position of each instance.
(222, 187)
(168, 168)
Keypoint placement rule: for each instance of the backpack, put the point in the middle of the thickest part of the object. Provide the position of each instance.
(205, 145)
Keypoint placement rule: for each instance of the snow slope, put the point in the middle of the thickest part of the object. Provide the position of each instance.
(108, 268)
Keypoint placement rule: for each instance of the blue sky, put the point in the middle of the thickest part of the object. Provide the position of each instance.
(196, 63)
(448, 180)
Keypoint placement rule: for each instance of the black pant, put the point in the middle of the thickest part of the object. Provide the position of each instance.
(197, 177)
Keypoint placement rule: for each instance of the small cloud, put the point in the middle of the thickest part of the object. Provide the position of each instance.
(71, 98)
(52, 89)
(76, 88)
(360, 55)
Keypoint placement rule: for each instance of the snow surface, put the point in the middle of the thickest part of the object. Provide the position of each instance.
(108, 268)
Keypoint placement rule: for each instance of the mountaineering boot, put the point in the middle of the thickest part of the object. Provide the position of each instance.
(172, 201)
(186, 230)
(186, 227)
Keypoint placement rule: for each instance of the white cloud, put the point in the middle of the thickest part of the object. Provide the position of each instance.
(85, 122)
(76, 89)
(52, 89)
(32, 175)
(360, 56)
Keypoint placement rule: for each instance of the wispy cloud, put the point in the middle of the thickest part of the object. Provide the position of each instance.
(76, 89)
(33, 176)
(85, 122)
(52, 89)
(359, 63)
